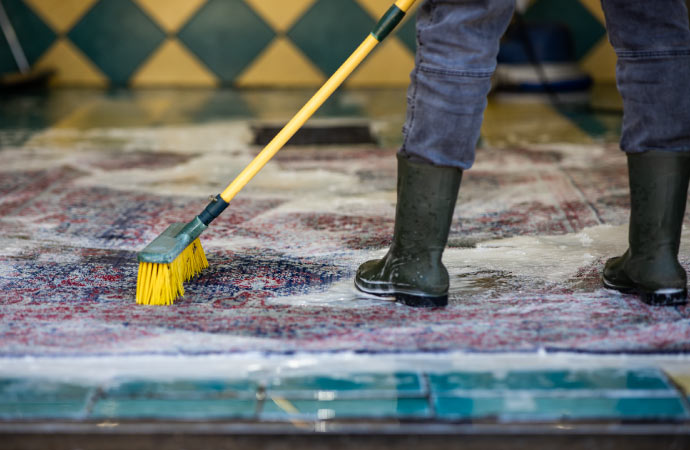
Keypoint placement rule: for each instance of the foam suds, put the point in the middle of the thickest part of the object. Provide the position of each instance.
(341, 294)
(547, 258)
(261, 367)
(550, 259)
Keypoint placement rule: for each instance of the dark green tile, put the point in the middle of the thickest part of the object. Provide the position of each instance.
(585, 28)
(222, 105)
(117, 36)
(33, 398)
(282, 409)
(226, 35)
(408, 32)
(586, 121)
(519, 406)
(643, 379)
(183, 409)
(33, 34)
(327, 41)
(28, 112)
(355, 385)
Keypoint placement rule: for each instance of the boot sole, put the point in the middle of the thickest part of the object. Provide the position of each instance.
(661, 297)
(420, 301)
(409, 299)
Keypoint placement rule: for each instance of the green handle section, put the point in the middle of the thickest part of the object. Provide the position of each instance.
(169, 244)
(388, 22)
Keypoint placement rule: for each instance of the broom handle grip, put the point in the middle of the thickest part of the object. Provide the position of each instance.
(386, 24)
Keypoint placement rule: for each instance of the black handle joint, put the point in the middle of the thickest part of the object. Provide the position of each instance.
(213, 210)
(388, 22)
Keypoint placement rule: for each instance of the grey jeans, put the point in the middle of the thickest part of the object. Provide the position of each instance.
(457, 44)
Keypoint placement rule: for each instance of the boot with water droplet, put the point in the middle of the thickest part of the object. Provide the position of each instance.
(650, 267)
(412, 270)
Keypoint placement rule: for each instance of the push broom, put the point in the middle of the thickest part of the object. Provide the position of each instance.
(176, 255)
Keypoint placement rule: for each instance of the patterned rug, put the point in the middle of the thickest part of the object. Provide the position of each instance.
(531, 232)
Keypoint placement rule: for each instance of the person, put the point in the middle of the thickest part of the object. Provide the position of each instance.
(457, 45)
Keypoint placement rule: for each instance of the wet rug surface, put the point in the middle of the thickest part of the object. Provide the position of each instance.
(532, 230)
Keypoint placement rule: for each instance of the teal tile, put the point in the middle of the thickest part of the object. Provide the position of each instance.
(585, 28)
(465, 408)
(179, 399)
(447, 382)
(35, 398)
(184, 389)
(226, 35)
(285, 409)
(117, 36)
(354, 385)
(523, 406)
(642, 379)
(319, 26)
(33, 34)
(182, 409)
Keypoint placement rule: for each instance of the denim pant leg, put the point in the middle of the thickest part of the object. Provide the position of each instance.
(652, 41)
(457, 44)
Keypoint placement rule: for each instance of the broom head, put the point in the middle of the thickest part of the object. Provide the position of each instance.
(172, 258)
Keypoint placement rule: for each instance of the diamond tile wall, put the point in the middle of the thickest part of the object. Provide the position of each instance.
(329, 43)
(226, 35)
(117, 36)
(241, 42)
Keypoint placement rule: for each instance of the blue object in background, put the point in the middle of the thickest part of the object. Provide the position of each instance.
(539, 58)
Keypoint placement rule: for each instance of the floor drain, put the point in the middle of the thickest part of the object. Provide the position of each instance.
(319, 134)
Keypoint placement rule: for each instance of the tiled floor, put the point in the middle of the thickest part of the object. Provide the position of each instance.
(235, 360)
(513, 396)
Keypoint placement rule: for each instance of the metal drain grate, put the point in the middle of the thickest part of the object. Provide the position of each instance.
(319, 134)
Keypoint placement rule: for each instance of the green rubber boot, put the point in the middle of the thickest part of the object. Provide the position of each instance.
(412, 270)
(650, 267)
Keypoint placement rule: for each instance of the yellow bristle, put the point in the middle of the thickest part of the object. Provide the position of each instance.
(161, 284)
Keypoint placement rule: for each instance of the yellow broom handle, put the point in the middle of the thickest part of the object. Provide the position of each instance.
(404, 5)
(306, 112)
(299, 119)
